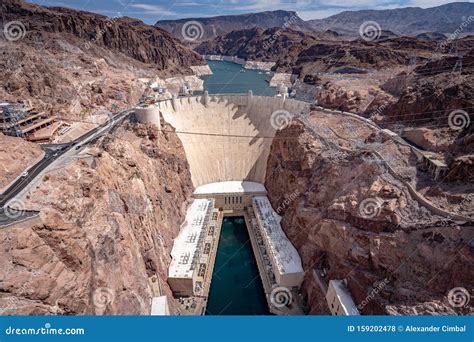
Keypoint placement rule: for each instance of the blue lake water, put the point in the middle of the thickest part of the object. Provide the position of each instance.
(230, 77)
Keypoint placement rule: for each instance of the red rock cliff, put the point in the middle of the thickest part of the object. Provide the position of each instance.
(397, 257)
(108, 222)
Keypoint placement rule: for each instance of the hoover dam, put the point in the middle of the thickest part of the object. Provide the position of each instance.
(227, 140)
(226, 137)
(142, 175)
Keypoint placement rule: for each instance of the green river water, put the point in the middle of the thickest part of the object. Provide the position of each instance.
(236, 287)
(230, 77)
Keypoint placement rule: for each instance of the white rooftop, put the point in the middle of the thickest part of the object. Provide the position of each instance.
(186, 243)
(286, 255)
(230, 187)
(159, 306)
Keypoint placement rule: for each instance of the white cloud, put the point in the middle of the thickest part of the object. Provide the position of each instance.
(257, 5)
(152, 9)
(356, 3)
(429, 3)
(266, 5)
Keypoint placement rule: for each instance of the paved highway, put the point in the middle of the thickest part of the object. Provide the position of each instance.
(52, 153)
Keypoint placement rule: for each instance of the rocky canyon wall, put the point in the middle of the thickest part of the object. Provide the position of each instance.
(349, 218)
(106, 228)
(74, 63)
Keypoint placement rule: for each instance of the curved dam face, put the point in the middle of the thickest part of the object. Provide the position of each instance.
(225, 137)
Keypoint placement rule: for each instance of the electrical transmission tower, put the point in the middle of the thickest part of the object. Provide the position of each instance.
(458, 66)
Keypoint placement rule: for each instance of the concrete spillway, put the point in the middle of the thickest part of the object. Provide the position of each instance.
(225, 137)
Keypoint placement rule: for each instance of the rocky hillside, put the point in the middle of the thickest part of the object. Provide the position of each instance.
(433, 90)
(16, 154)
(107, 225)
(259, 44)
(351, 219)
(74, 63)
(304, 53)
(408, 21)
(437, 99)
(397, 81)
(131, 37)
(211, 27)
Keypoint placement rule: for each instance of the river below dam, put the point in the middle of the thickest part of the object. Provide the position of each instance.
(236, 287)
(231, 77)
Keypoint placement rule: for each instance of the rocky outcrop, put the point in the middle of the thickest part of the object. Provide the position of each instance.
(427, 139)
(258, 44)
(69, 82)
(355, 96)
(333, 96)
(438, 101)
(75, 63)
(16, 154)
(350, 219)
(108, 222)
(460, 158)
(434, 90)
(303, 53)
(131, 37)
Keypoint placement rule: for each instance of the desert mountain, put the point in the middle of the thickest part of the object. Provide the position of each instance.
(408, 21)
(220, 25)
(131, 37)
(302, 53)
(73, 62)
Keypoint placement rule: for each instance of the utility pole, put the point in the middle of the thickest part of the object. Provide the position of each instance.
(458, 65)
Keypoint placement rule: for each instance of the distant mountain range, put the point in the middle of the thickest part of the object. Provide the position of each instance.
(212, 27)
(403, 21)
(407, 21)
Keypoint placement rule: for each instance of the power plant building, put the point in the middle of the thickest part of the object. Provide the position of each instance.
(284, 257)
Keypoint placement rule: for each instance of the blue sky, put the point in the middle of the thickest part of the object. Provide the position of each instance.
(152, 10)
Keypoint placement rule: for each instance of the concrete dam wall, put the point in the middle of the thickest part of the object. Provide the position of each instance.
(225, 137)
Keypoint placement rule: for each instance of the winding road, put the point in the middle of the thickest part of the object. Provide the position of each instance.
(53, 153)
